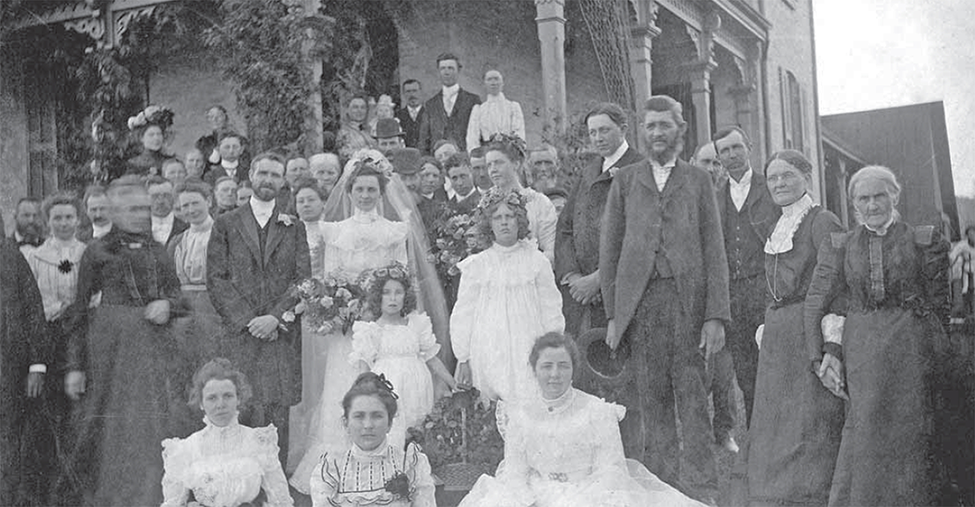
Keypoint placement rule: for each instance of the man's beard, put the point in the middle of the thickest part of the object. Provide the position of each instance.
(265, 193)
(666, 155)
(30, 232)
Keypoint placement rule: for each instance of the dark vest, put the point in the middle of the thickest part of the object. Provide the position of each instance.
(744, 247)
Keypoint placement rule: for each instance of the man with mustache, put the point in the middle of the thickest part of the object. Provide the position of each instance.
(748, 215)
(664, 279)
(256, 254)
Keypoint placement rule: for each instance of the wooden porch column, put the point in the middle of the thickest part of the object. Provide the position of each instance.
(550, 19)
(642, 33)
(748, 102)
(699, 74)
(314, 129)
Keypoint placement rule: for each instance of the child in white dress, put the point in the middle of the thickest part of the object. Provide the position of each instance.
(507, 298)
(399, 345)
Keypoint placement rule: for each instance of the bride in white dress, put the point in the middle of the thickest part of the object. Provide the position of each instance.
(357, 236)
(564, 450)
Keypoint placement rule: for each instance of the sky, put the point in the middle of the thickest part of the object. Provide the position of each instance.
(872, 54)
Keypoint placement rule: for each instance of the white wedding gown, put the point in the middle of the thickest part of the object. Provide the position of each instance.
(361, 242)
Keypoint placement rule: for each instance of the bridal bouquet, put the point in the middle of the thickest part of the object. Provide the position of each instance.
(327, 303)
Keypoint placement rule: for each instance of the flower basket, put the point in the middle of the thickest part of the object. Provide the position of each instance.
(461, 439)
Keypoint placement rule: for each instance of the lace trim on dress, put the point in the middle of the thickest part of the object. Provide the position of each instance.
(780, 241)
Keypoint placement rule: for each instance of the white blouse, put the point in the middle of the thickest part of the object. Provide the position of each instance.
(190, 254)
(224, 467)
(55, 267)
(542, 220)
(496, 114)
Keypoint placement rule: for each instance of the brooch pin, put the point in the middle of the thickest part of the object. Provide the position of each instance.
(65, 266)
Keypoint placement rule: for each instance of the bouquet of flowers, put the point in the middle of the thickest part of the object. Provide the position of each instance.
(325, 303)
(456, 237)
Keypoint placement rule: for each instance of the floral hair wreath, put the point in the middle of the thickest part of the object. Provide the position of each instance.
(495, 196)
(152, 115)
(510, 140)
(395, 271)
(373, 157)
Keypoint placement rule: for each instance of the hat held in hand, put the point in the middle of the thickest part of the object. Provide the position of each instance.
(604, 363)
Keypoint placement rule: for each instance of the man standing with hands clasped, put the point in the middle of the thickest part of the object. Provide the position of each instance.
(255, 255)
(664, 278)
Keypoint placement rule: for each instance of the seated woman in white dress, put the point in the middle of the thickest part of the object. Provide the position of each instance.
(507, 298)
(564, 450)
(224, 464)
(370, 471)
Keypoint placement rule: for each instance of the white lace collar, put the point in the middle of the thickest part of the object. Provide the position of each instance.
(560, 404)
(379, 451)
(221, 430)
(496, 98)
(882, 230)
(202, 227)
(365, 217)
(780, 241)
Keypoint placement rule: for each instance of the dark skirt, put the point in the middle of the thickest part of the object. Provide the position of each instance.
(889, 451)
(125, 411)
(796, 423)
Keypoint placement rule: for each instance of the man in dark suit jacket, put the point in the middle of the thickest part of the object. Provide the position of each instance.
(255, 255)
(748, 215)
(438, 121)
(409, 114)
(466, 196)
(664, 279)
(577, 233)
(165, 224)
(24, 359)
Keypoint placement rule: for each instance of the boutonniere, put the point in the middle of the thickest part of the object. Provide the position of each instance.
(613, 170)
(286, 219)
(65, 266)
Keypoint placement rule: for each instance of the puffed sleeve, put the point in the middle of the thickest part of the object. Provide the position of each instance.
(511, 479)
(273, 482)
(605, 429)
(365, 342)
(517, 121)
(462, 317)
(324, 482)
(175, 462)
(421, 325)
(549, 298)
(828, 282)
(421, 479)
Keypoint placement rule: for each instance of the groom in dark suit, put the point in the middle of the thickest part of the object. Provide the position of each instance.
(255, 255)
(446, 114)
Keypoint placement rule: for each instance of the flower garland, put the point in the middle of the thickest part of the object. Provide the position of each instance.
(373, 157)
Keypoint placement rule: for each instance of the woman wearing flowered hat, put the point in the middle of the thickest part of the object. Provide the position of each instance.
(150, 128)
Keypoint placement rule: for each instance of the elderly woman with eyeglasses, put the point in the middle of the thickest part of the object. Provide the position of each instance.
(892, 347)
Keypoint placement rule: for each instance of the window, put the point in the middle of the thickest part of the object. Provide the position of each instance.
(793, 112)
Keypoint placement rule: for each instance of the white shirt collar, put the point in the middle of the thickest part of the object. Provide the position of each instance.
(162, 227)
(451, 90)
(230, 165)
(462, 197)
(611, 160)
(668, 165)
(739, 189)
(18, 236)
(98, 231)
(262, 210)
(412, 109)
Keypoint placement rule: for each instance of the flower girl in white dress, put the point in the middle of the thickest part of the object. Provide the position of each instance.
(399, 345)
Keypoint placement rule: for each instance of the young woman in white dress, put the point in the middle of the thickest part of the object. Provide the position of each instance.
(224, 464)
(507, 298)
(370, 471)
(565, 450)
(356, 236)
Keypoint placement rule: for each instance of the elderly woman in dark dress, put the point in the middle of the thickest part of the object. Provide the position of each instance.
(895, 277)
(796, 423)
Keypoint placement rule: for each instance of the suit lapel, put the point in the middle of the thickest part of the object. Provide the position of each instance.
(248, 229)
(755, 190)
(275, 232)
(676, 180)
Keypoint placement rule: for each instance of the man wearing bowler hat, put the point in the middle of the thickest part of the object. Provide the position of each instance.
(389, 135)
(406, 163)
